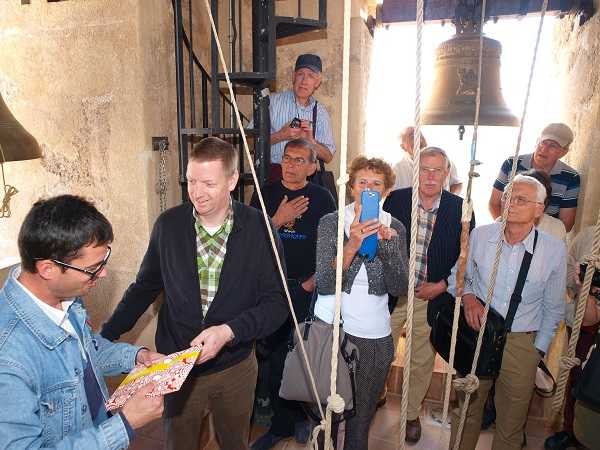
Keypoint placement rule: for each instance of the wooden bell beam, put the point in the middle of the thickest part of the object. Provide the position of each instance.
(395, 11)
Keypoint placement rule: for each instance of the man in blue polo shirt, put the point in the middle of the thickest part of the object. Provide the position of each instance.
(313, 122)
(552, 145)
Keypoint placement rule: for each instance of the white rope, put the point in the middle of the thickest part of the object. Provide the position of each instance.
(467, 213)
(335, 403)
(414, 220)
(492, 284)
(568, 361)
(262, 205)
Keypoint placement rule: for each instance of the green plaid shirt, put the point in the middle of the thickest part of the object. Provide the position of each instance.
(210, 255)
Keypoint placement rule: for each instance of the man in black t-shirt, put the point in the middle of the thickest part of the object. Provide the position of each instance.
(295, 206)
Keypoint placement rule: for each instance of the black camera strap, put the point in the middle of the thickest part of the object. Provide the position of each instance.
(314, 130)
(516, 296)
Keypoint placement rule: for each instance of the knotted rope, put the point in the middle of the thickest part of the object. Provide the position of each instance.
(469, 383)
(414, 221)
(335, 403)
(492, 284)
(568, 361)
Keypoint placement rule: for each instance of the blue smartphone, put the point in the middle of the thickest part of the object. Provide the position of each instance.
(369, 201)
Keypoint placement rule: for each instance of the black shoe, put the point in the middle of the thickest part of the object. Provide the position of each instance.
(302, 431)
(266, 441)
(413, 431)
(560, 441)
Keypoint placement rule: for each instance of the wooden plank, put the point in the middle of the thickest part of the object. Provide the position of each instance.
(394, 11)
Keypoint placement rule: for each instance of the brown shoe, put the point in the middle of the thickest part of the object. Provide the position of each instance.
(413, 431)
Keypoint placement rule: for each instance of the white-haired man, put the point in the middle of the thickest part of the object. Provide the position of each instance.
(537, 316)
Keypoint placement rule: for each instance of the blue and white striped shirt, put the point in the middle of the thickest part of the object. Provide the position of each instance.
(565, 182)
(543, 298)
(283, 108)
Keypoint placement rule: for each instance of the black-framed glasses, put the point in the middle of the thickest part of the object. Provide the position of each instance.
(295, 161)
(92, 273)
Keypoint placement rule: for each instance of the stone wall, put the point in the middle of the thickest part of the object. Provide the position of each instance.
(93, 81)
(578, 58)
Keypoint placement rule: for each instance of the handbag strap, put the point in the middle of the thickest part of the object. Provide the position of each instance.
(314, 130)
(516, 296)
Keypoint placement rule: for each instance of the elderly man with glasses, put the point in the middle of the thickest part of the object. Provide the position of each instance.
(438, 247)
(295, 206)
(52, 365)
(553, 144)
(537, 315)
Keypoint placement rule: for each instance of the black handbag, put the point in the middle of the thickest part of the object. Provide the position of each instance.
(494, 336)
(321, 176)
(587, 390)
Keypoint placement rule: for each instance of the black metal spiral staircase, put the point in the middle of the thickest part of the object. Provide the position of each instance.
(203, 109)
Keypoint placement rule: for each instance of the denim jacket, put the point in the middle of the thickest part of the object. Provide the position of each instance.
(42, 395)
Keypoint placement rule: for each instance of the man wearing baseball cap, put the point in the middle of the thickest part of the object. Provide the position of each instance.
(553, 144)
(312, 119)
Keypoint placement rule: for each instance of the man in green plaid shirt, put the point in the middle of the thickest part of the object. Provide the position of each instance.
(211, 248)
(212, 260)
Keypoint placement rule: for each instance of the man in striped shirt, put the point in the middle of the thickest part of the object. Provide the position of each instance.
(552, 145)
(313, 124)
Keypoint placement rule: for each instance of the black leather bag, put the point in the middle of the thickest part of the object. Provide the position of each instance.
(490, 358)
(494, 336)
(587, 389)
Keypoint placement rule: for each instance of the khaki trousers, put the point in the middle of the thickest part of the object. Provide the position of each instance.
(228, 395)
(422, 356)
(514, 388)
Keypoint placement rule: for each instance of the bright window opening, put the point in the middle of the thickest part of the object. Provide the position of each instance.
(391, 97)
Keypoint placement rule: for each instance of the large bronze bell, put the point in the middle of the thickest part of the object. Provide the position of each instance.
(452, 100)
(15, 142)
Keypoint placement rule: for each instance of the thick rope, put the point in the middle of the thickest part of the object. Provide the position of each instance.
(568, 361)
(262, 205)
(467, 213)
(335, 403)
(414, 220)
(460, 383)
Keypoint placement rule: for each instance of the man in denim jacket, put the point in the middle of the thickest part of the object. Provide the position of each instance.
(52, 365)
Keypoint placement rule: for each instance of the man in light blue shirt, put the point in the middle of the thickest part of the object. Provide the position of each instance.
(541, 309)
(313, 124)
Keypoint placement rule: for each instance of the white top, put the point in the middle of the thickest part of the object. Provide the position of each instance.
(363, 315)
(404, 172)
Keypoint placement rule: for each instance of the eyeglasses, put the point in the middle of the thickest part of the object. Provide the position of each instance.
(437, 171)
(295, 161)
(92, 273)
(550, 144)
(518, 200)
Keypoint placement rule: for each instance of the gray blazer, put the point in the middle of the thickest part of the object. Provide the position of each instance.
(387, 272)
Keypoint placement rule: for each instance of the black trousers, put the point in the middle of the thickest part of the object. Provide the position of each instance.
(285, 413)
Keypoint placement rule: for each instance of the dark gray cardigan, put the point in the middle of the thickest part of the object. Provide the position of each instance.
(387, 272)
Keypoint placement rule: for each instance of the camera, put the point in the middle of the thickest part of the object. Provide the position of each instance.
(595, 278)
(295, 123)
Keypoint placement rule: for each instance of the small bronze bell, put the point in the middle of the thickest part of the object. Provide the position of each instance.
(16, 144)
(452, 100)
